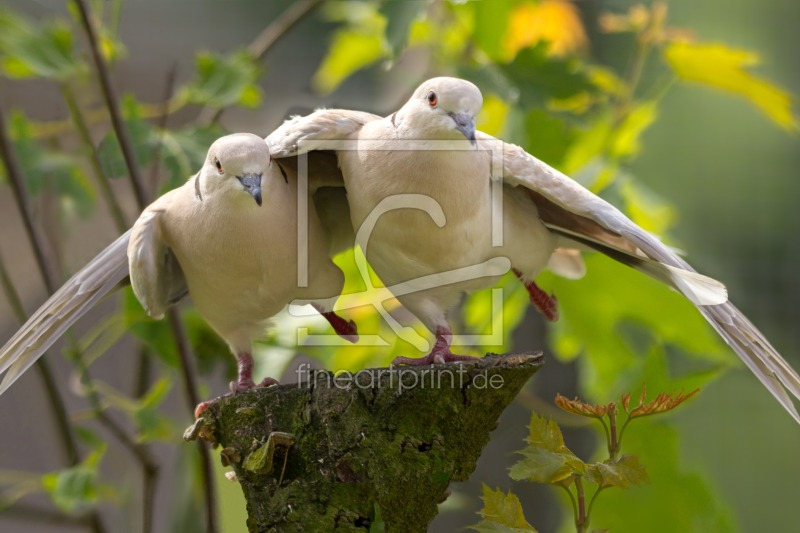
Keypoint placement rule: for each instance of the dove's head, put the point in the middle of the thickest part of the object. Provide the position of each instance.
(235, 164)
(444, 108)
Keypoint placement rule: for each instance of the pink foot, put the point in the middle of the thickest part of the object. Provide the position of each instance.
(439, 355)
(347, 330)
(547, 304)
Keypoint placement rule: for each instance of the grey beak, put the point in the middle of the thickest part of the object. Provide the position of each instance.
(465, 123)
(252, 184)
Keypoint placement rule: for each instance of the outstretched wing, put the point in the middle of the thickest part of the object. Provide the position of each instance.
(321, 125)
(62, 309)
(156, 276)
(325, 180)
(570, 210)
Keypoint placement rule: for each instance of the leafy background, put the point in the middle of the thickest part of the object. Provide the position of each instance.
(710, 163)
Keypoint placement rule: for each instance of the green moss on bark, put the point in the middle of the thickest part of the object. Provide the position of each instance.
(379, 443)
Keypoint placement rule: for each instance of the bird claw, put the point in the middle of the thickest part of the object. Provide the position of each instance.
(434, 358)
(346, 329)
(243, 385)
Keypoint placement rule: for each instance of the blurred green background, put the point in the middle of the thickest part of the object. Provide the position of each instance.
(725, 462)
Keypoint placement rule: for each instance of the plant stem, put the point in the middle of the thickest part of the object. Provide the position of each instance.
(591, 504)
(56, 402)
(581, 523)
(102, 180)
(613, 449)
(139, 452)
(112, 104)
(35, 236)
(574, 502)
(192, 399)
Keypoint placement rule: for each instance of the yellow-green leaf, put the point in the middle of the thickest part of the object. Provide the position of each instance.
(502, 513)
(724, 68)
(623, 473)
(625, 141)
(350, 51)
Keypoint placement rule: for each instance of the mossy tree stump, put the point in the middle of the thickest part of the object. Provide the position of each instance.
(354, 452)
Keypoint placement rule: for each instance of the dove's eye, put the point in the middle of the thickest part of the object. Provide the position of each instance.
(432, 99)
(219, 166)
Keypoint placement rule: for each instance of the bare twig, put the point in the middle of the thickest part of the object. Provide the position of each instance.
(188, 373)
(36, 237)
(14, 173)
(162, 127)
(280, 26)
(112, 104)
(140, 452)
(45, 516)
(102, 180)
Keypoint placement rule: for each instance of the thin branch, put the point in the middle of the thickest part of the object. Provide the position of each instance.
(45, 516)
(35, 236)
(112, 104)
(582, 524)
(14, 173)
(11, 293)
(280, 26)
(265, 41)
(192, 398)
(162, 127)
(102, 180)
(139, 451)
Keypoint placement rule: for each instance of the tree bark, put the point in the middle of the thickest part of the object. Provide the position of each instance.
(371, 451)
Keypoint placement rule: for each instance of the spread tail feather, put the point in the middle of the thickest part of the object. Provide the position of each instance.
(62, 309)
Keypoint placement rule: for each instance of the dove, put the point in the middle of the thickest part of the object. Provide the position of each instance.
(228, 237)
(496, 201)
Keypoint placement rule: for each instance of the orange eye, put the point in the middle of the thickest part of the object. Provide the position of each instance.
(432, 99)
(219, 166)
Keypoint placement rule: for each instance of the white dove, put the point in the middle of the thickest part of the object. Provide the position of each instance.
(212, 236)
(430, 148)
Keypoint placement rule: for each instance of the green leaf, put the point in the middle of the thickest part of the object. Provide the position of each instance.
(615, 317)
(491, 30)
(502, 513)
(549, 134)
(677, 499)
(546, 459)
(225, 80)
(541, 77)
(154, 334)
(626, 472)
(589, 143)
(724, 68)
(183, 152)
(351, 50)
(142, 138)
(625, 141)
(43, 168)
(482, 315)
(42, 50)
(151, 424)
(647, 209)
(75, 488)
(399, 16)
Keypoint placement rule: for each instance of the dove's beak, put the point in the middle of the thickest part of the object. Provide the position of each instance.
(252, 184)
(465, 123)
